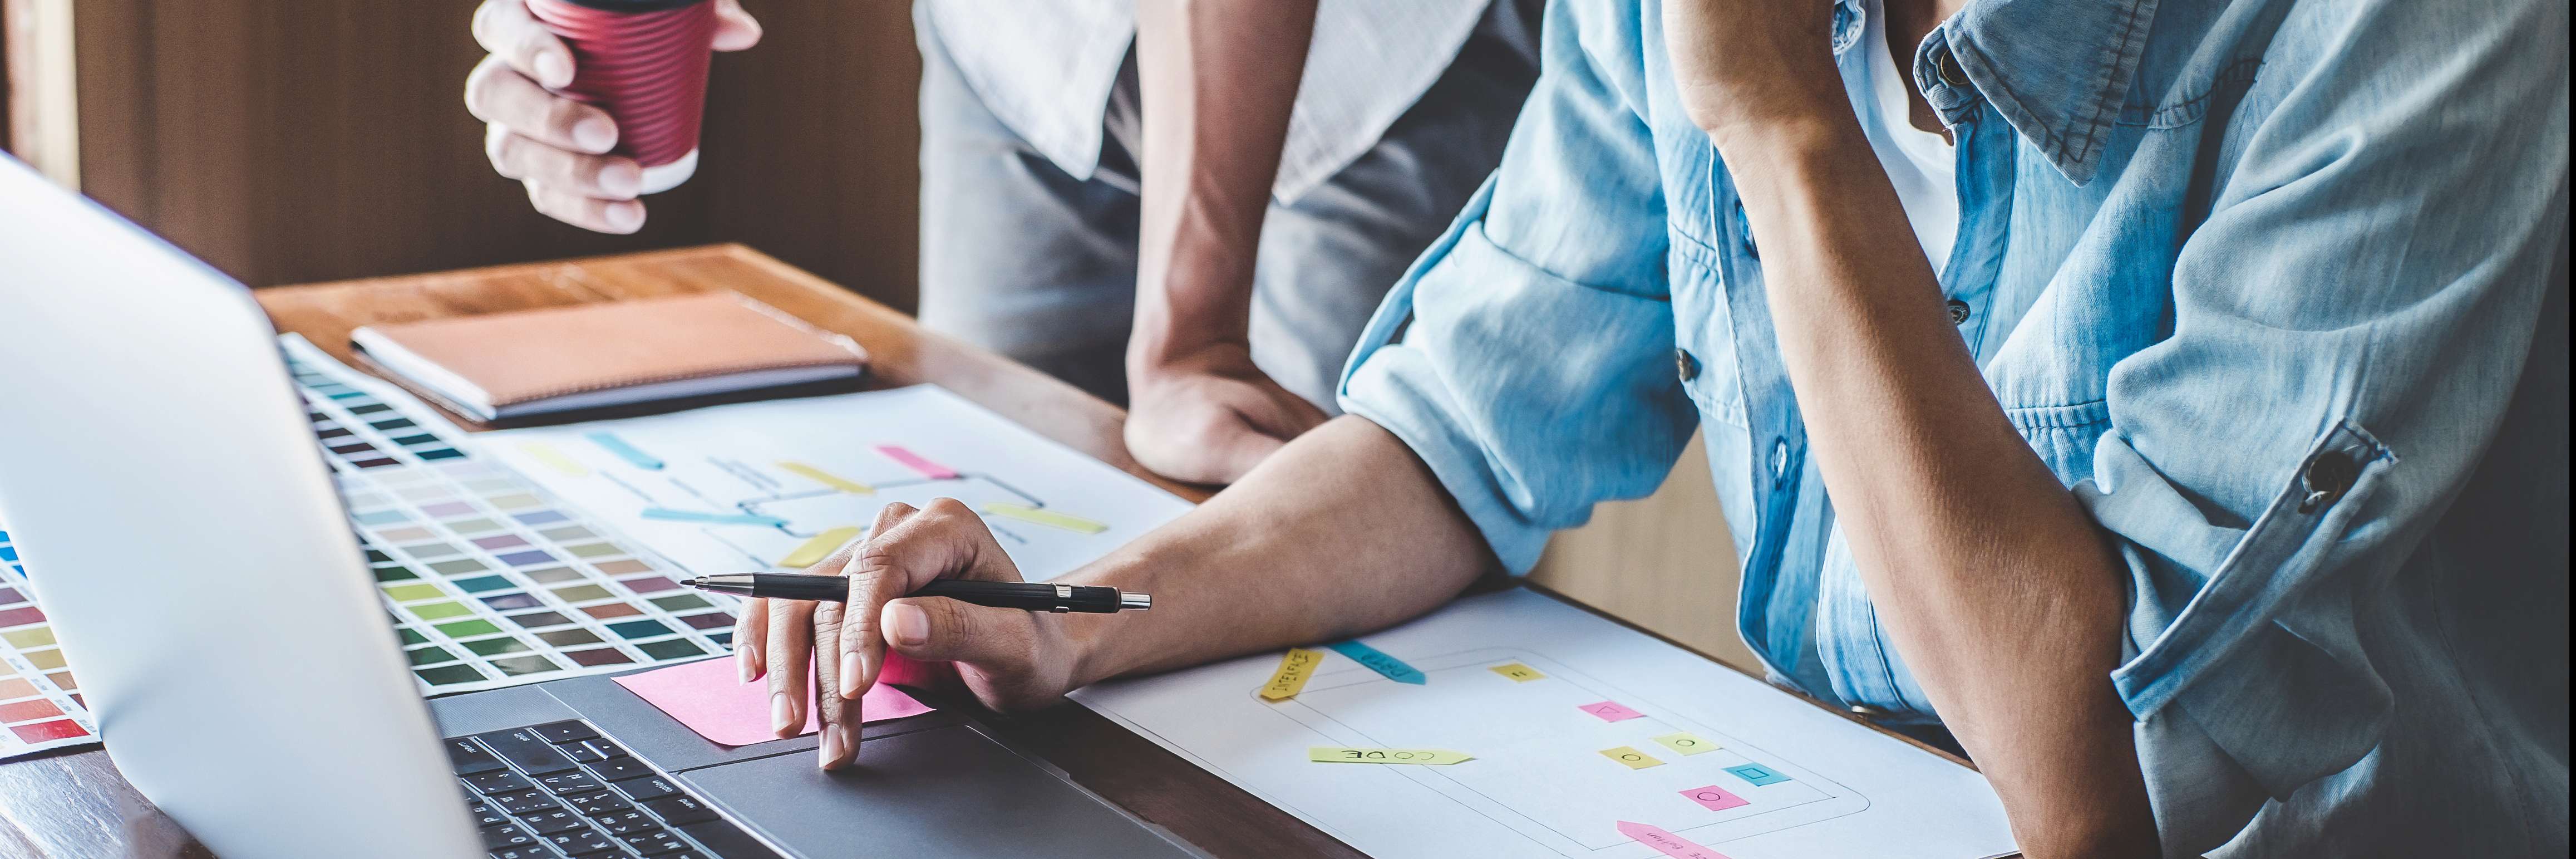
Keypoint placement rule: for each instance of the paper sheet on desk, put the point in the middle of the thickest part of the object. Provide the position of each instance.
(708, 696)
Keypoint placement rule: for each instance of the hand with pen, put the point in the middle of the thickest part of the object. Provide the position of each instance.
(1008, 658)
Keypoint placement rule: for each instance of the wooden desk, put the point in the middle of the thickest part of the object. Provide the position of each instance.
(76, 805)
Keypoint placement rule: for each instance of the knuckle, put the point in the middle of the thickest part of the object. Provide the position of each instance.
(950, 509)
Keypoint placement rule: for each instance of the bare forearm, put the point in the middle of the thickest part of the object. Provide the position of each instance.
(1992, 579)
(1343, 531)
(1219, 79)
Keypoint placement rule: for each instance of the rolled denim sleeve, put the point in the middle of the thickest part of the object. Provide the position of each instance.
(1527, 356)
(2348, 326)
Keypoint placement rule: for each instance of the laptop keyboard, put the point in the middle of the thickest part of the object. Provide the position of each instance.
(562, 790)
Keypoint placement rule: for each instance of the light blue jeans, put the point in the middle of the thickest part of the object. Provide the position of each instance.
(1022, 258)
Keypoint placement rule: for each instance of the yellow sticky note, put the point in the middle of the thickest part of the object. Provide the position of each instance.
(827, 478)
(1294, 667)
(1518, 672)
(1635, 760)
(1354, 755)
(1048, 518)
(1686, 743)
(815, 550)
(555, 459)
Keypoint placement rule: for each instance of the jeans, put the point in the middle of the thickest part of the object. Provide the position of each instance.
(1019, 257)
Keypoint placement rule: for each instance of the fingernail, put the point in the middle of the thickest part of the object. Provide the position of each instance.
(782, 713)
(909, 625)
(621, 180)
(850, 674)
(595, 134)
(849, 739)
(625, 217)
(554, 69)
(749, 661)
(831, 752)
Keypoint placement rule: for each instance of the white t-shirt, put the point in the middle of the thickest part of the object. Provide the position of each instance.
(1919, 163)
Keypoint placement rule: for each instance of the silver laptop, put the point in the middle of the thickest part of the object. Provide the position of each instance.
(165, 490)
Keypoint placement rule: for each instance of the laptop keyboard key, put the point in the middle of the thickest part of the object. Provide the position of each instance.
(648, 787)
(628, 822)
(596, 804)
(604, 748)
(570, 783)
(724, 839)
(532, 851)
(550, 821)
(581, 842)
(680, 808)
(506, 836)
(619, 769)
(581, 753)
(524, 802)
(504, 781)
(568, 731)
(470, 757)
(525, 750)
(485, 815)
(654, 843)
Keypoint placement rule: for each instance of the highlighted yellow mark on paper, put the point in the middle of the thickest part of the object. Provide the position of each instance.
(827, 478)
(1518, 672)
(1048, 518)
(1635, 760)
(555, 459)
(1686, 743)
(1352, 755)
(815, 550)
(1294, 667)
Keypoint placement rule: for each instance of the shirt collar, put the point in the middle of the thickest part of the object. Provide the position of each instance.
(2056, 70)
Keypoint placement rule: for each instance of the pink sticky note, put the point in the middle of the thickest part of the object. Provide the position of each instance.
(1671, 845)
(1611, 711)
(1715, 798)
(914, 461)
(706, 696)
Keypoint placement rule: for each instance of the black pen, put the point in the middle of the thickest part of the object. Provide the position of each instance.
(1032, 596)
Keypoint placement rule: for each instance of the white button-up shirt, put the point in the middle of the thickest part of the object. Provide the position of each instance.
(1046, 69)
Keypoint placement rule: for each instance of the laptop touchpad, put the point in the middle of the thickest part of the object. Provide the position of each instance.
(941, 792)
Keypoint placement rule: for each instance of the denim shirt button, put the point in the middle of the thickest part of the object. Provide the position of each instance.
(1685, 365)
(1948, 67)
(1779, 458)
(1958, 312)
(2326, 478)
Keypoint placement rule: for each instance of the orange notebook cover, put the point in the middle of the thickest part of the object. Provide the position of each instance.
(527, 362)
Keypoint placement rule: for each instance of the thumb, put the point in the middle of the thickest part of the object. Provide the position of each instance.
(735, 28)
(935, 629)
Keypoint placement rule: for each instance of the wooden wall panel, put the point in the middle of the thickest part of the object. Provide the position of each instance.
(1663, 562)
(298, 140)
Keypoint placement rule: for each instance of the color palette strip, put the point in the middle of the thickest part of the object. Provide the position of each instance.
(916, 462)
(488, 581)
(40, 701)
(827, 478)
(609, 441)
(669, 515)
(821, 546)
(1040, 516)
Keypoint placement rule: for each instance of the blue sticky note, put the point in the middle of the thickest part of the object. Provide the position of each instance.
(1757, 775)
(610, 442)
(1378, 661)
(670, 515)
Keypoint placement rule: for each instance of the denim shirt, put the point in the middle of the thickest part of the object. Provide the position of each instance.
(2275, 287)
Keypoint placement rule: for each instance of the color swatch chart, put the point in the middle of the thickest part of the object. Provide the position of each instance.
(783, 483)
(40, 702)
(1559, 755)
(488, 581)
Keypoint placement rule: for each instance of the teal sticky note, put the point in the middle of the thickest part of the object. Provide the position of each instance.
(1378, 661)
(1757, 775)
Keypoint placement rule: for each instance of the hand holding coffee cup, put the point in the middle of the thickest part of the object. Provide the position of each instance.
(602, 106)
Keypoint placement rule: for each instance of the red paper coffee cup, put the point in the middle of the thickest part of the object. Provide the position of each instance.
(645, 63)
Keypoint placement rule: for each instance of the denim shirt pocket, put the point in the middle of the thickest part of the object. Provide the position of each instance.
(1703, 331)
(2288, 694)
